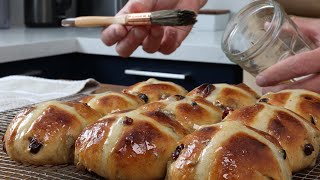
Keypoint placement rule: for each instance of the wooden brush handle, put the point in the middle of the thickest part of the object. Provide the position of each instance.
(214, 11)
(98, 21)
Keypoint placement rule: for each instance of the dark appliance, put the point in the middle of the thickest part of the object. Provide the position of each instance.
(45, 13)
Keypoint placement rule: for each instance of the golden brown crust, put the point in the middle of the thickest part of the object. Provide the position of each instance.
(196, 113)
(277, 99)
(292, 131)
(228, 150)
(248, 89)
(154, 106)
(156, 90)
(109, 102)
(53, 119)
(226, 96)
(166, 120)
(133, 145)
(303, 102)
(91, 141)
(194, 145)
(85, 111)
(247, 114)
(11, 130)
(233, 98)
(45, 134)
(86, 99)
(243, 150)
(138, 148)
(203, 90)
(189, 112)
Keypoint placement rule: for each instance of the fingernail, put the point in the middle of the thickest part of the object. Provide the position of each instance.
(260, 80)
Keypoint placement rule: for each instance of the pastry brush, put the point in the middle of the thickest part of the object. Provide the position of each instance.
(162, 18)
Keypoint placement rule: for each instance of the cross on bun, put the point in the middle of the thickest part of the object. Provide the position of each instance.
(190, 112)
(109, 102)
(297, 136)
(226, 96)
(303, 102)
(229, 150)
(131, 145)
(46, 133)
(156, 90)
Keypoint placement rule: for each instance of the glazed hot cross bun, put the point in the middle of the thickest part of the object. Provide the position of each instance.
(225, 96)
(229, 150)
(190, 112)
(303, 102)
(156, 90)
(46, 133)
(109, 102)
(130, 145)
(297, 136)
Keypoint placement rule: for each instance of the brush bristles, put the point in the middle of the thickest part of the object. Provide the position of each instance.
(173, 18)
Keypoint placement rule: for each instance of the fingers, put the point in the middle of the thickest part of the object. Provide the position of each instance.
(173, 37)
(163, 39)
(293, 67)
(152, 43)
(169, 41)
(203, 2)
(113, 34)
(311, 83)
(132, 41)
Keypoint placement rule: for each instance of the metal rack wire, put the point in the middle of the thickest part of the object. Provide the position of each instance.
(12, 170)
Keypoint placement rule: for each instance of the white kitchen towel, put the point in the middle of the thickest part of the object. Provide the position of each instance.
(18, 91)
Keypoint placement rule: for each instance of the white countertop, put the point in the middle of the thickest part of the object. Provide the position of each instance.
(26, 43)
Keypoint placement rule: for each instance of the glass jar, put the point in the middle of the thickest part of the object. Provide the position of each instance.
(260, 35)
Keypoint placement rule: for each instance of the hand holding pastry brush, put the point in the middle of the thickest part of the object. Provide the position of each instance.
(162, 18)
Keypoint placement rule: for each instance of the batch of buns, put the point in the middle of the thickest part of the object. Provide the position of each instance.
(157, 130)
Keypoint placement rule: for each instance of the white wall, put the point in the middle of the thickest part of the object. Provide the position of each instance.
(233, 5)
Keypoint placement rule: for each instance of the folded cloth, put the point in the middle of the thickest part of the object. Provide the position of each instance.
(18, 91)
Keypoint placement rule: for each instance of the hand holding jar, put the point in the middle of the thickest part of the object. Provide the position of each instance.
(266, 42)
(304, 64)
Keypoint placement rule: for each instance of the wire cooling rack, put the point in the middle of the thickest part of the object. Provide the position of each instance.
(12, 170)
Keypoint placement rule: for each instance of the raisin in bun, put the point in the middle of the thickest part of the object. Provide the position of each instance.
(226, 96)
(303, 102)
(46, 133)
(130, 145)
(297, 136)
(228, 150)
(189, 112)
(156, 90)
(109, 102)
